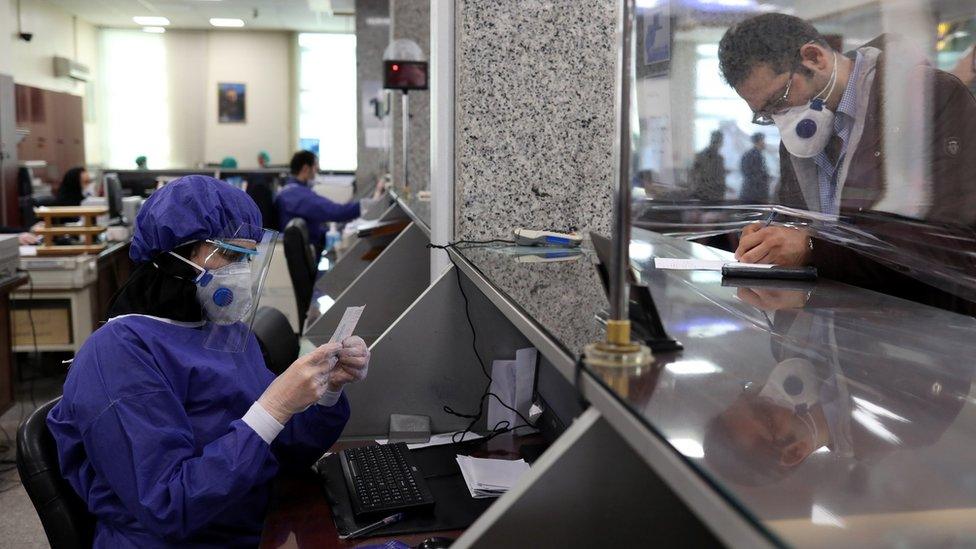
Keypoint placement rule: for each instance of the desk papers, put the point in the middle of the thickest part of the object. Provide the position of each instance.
(490, 478)
(675, 264)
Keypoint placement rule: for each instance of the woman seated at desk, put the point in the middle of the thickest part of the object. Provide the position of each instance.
(171, 427)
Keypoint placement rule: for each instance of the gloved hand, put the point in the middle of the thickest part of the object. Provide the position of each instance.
(301, 384)
(351, 365)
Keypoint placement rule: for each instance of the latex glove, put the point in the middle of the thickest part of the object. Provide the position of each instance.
(352, 365)
(301, 385)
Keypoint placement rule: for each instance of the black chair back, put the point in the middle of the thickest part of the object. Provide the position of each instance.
(301, 265)
(64, 515)
(279, 343)
(261, 192)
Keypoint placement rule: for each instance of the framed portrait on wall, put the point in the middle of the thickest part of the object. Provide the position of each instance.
(231, 101)
(654, 41)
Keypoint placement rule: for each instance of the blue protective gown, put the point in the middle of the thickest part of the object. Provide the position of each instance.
(296, 199)
(149, 434)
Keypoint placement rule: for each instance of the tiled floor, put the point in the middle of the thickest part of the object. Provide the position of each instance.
(19, 525)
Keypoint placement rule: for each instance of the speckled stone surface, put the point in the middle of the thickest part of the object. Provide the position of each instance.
(411, 20)
(371, 40)
(534, 122)
(563, 297)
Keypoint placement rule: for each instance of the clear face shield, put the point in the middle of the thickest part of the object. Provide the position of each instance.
(230, 282)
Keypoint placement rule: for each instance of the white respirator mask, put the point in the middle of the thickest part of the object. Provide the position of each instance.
(806, 129)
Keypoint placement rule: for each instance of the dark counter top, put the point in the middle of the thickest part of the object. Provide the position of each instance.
(827, 414)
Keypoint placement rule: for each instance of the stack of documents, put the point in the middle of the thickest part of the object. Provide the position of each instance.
(490, 478)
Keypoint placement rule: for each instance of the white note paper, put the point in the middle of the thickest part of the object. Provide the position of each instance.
(675, 264)
(347, 324)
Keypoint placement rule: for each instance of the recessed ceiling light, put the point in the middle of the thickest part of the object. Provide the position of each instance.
(154, 30)
(151, 21)
(226, 22)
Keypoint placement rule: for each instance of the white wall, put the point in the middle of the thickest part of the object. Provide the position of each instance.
(263, 61)
(31, 63)
(195, 62)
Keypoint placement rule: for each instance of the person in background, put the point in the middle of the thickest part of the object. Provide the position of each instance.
(25, 238)
(229, 162)
(297, 199)
(755, 176)
(170, 436)
(141, 163)
(71, 191)
(264, 159)
(708, 171)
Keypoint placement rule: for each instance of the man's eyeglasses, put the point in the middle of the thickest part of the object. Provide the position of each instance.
(764, 117)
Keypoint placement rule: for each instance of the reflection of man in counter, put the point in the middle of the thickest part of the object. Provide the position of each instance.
(828, 109)
(858, 393)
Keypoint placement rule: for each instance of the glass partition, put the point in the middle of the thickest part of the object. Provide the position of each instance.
(834, 134)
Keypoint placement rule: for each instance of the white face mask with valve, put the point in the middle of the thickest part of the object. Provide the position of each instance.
(806, 129)
(225, 292)
(793, 384)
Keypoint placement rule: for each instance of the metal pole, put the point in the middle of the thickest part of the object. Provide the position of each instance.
(620, 258)
(405, 107)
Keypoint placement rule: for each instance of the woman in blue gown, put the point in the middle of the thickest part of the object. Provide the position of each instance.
(170, 439)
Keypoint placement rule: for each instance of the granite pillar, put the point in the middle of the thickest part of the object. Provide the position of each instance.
(373, 142)
(410, 19)
(534, 116)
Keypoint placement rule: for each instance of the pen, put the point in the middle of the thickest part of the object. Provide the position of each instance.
(369, 528)
(769, 219)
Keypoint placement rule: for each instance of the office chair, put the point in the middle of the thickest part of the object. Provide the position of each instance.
(301, 265)
(64, 515)
(279, 344)
(261, 192)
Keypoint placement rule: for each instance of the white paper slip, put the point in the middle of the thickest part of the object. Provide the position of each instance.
(347, 325)
(512, 382)
(28, 251)
(676, 264)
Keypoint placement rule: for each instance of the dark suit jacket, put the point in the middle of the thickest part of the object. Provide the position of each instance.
(948, 232)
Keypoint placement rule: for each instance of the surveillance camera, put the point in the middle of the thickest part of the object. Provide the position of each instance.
(26, 36)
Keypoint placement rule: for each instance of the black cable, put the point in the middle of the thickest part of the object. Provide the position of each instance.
(474, 417)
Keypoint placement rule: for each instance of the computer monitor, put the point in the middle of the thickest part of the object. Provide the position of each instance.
(309, 144)
(113, 197)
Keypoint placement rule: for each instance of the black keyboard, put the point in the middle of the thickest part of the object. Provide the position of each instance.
(384, 478)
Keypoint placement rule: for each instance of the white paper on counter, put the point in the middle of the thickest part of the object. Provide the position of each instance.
(675, 264)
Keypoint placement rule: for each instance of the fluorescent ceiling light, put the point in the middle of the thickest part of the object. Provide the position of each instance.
(154, 30)
(151, 21)
(226, 22)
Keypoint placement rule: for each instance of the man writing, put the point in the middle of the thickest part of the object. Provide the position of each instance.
(828, 108)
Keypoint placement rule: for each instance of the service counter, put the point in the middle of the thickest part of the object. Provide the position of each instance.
(796, 414)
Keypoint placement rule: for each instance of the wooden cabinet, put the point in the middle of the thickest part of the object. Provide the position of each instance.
(57, 130)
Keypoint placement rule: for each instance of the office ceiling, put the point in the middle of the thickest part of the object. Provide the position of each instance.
(296, 15)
